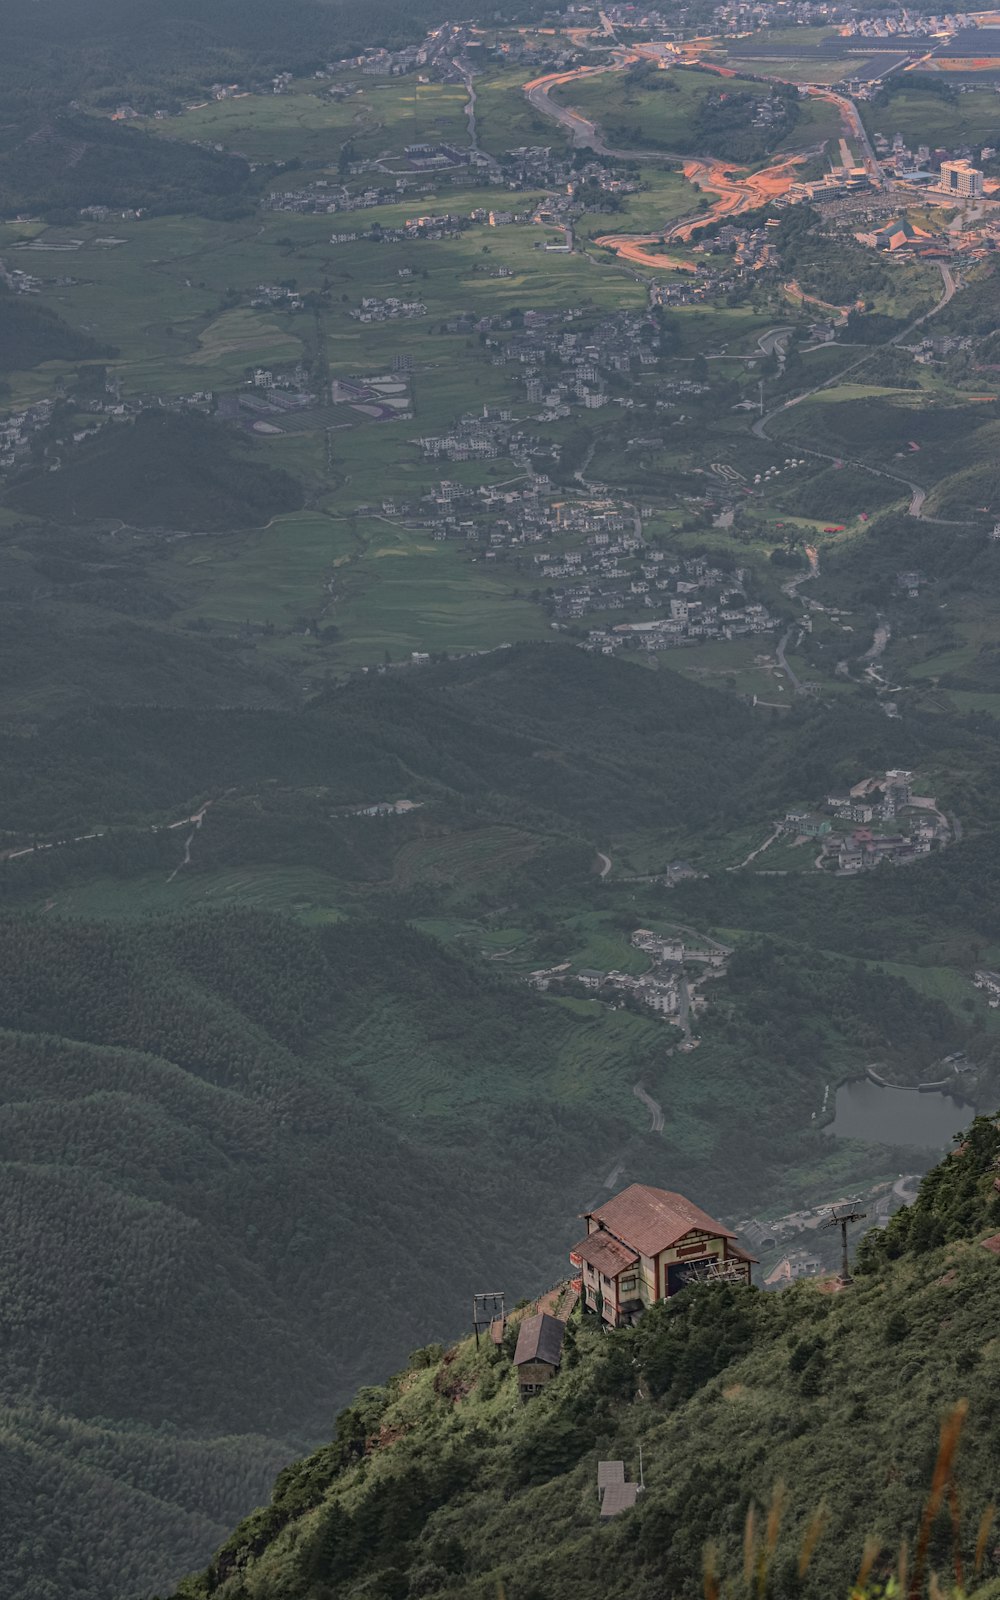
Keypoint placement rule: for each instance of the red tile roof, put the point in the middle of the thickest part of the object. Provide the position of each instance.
(992, 1244)
(604, 1252)
(650, 1220)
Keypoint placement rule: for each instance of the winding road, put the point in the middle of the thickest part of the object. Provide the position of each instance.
(652, 1106)
(735, 193)
(196, 818)
(917, 493)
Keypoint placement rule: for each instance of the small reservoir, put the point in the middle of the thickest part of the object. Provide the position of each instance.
(881, 1115)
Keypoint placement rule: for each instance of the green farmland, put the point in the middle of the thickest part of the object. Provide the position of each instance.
(923, 117)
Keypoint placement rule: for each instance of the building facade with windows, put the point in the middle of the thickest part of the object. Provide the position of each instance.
(962, 178)
(645, 1245)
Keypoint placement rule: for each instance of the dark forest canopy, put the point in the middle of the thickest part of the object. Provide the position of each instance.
(56, 165)
(32, 333)
(163, 470)
(154, 51)
(197, 1117)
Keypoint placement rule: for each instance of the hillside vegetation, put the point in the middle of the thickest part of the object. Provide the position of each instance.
(198, 1117)
(821, 1410)
(164, 470)
(60, 165)
(31, 334)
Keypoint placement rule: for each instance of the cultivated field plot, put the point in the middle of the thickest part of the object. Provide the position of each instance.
(307, 124)
(198, 331)
(304, 892)
(659, 111)
(460, 858)
(505, 118)
(923, 117)
(663, 198)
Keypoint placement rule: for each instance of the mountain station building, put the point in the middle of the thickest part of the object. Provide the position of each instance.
(645, 1245)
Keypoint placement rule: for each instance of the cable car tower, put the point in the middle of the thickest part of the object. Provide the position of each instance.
(842, 1219)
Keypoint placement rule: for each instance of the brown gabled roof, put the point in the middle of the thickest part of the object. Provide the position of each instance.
(992, 1244)
(650, 1220)
(540, 1338)
(606, 1253)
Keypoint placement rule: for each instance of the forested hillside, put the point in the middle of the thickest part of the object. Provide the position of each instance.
(157, 52)
(31, 334)
(63, 163)
(232, 1143)
(445, 683)
(197, 1129)
(161, 470)
(796, 1433)
(539, 731)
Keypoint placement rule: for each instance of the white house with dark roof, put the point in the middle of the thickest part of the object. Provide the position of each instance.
(645, 1245)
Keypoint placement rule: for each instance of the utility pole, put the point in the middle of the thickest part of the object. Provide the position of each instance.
(841, 1220)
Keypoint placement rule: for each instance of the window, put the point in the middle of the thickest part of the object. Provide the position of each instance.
(629, 1285)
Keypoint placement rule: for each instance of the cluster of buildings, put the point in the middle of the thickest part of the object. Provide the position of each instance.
(111, 213)
(666, 988)
(478, 436)
(641, 1247)
(698, 601)
(739, 17)
(17, 430)
(19, 282)
(879, 819)
(323, 195)
(727, 260)
(594, 556)
(733, 617)
(436, 52)
(561, 368)
(908, 24)
(276, 296)
(989, 981)
(372, 309)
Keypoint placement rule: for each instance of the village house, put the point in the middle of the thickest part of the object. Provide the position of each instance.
(645, 1245)
(538, 1355)
(990, 981)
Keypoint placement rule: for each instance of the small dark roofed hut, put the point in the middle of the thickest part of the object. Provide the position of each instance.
(539, 1352)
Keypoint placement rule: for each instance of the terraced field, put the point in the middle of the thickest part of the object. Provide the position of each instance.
(299, 891)
(464, 857)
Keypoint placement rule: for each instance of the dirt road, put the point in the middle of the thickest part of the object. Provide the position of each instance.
(734, 193)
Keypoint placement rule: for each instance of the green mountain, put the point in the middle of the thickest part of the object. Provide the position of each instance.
(31, 334)
(250, 1158)
(777, 1432)
(239, 1160)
